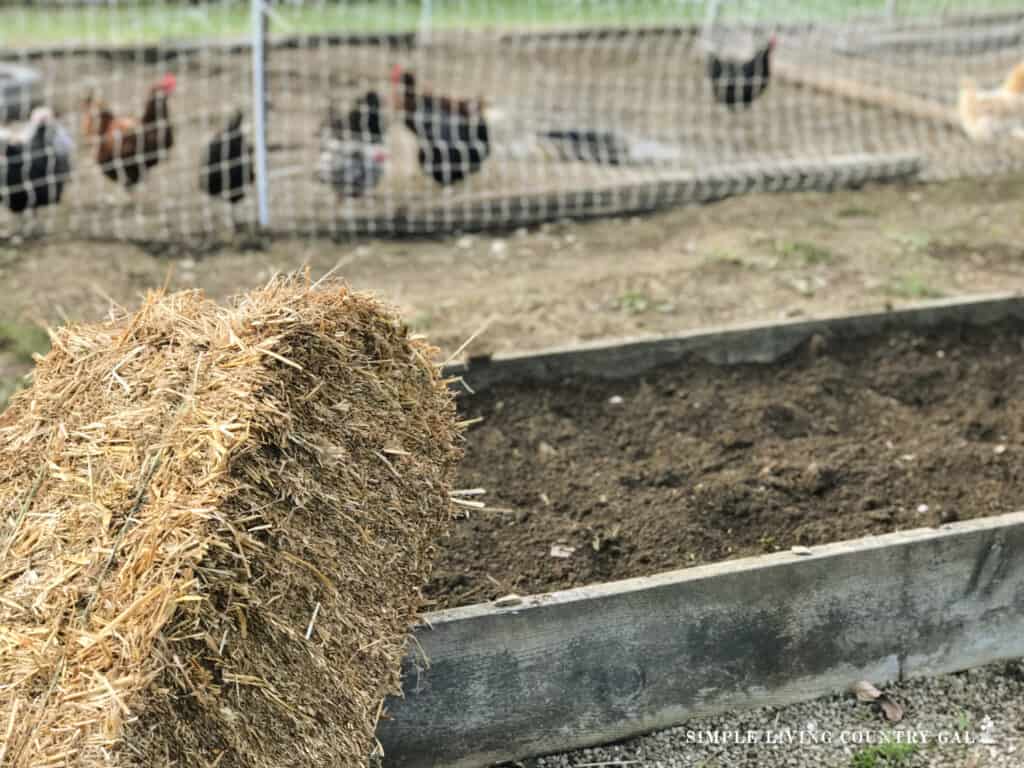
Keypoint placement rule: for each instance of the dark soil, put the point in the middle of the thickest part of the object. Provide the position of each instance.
(699, 463)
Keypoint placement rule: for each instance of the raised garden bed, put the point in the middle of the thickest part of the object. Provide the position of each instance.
(638, 458)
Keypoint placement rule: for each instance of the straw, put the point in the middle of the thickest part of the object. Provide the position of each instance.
(216, 522)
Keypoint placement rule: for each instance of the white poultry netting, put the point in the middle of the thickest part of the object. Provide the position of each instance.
(591, 107)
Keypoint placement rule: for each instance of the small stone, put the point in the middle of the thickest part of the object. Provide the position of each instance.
(922, 509)
(522, 232)
(465, 242)
(817, 345)
(999, 450)
(615, 400)
(546, 450)
(499, 248)
(562, 551)
(801, 551)
(508, 600)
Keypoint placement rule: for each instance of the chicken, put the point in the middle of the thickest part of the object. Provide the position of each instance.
(364, 122)
(352, 152)
(35, 163)
(990, 115)
(452, 134)
(741, 82)
(128, 147)
(353, 168)
(226, 168)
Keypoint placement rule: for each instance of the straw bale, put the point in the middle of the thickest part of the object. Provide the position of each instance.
(214, 526)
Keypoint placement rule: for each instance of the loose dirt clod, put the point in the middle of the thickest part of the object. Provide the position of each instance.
(214, 524)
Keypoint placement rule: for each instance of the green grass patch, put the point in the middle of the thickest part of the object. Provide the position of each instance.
(807, 253)
(20, 341)
(856, 212)
(636, 303)
(913, 287)
(154, 22)
(886, 755)
(915, 242)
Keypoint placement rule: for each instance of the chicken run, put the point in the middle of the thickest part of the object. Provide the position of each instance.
(283, 527)
(495, 128)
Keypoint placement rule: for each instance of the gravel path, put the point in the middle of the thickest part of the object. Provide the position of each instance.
(984, 707)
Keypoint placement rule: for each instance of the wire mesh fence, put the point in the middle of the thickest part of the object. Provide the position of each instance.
(396, 116)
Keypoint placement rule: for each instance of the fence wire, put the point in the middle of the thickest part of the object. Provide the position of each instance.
(395, 117)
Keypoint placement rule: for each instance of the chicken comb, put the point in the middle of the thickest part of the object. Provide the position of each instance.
(168, 83)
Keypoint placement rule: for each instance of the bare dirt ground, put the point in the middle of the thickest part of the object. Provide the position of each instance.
(592, 481)
(755, 257)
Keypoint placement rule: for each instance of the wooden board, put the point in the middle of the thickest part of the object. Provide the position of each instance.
(597, 664)
(629, 196)
(587, 666)
(754, 343)
(802, 73)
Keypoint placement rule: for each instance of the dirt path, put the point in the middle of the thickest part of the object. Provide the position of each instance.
(753, 257)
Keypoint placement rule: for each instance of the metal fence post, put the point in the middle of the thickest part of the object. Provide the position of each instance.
(259, 109)
(426, 14)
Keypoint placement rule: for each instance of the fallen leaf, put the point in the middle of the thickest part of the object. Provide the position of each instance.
(892, 710)
(865, 691)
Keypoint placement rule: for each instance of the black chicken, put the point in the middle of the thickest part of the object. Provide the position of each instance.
(741, 82)
(452, 134)
(364, 122)
(227, 168)
(35, 163)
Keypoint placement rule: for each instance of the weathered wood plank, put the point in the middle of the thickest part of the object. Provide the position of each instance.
(800, 73)
(626, 195)
(755, 343)
(597, 664)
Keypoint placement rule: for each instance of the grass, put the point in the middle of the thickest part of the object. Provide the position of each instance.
(883, 755)
(913, 287)
(809, 254)
(21, 341)
(18, 342)
(964, 721)
(150, 22)
(856, 212)
(637, 303)
(915, 242)
(634, 302)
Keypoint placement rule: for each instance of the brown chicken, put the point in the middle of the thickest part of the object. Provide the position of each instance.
(127, 146)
